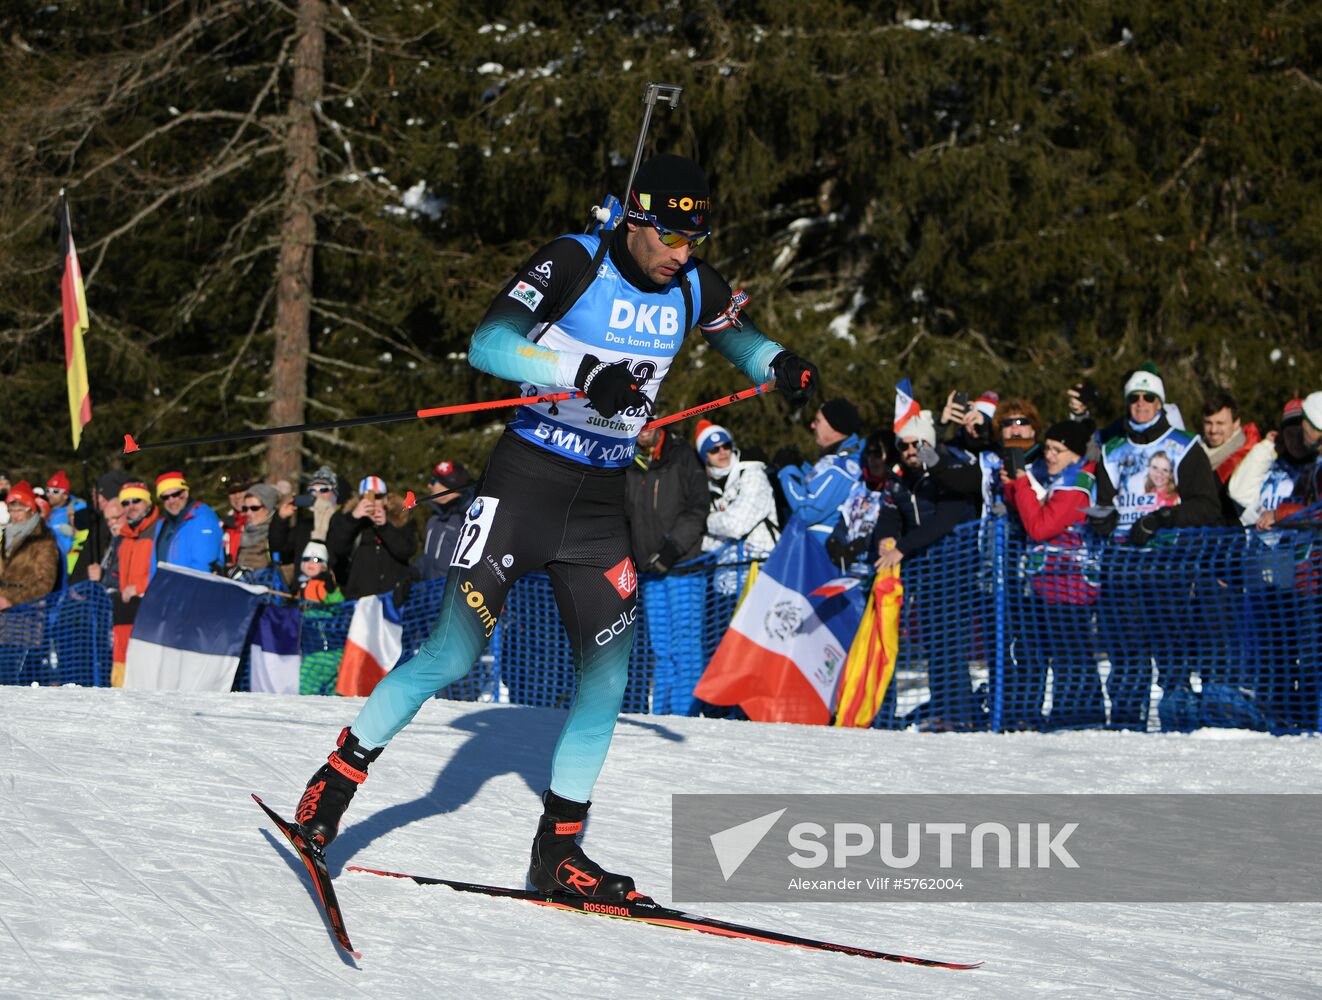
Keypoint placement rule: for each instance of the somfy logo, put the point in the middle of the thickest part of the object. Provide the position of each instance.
(733, 846)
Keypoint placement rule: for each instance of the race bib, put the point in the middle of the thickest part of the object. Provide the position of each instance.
(473, 535)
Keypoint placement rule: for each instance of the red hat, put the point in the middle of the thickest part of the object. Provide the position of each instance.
(59, 481)
(21, 492)
(1293, 410)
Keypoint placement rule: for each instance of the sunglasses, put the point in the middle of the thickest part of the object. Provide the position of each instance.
(907, 446)
(674, 238)
(173, 495)
(320, 489)
(55, 489)
(1143, 397)
(133, 500)
(251, 508)
(721, 447)
(1016, 422)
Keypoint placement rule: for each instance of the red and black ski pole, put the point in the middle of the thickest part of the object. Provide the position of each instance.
(131, 446)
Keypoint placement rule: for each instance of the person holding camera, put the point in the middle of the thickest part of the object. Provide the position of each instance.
(1064, 584)
(372, 532)
(930, 497)
(306, 518)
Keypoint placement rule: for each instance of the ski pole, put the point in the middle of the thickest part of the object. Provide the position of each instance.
(693, 411)
(131, 445)
(411, 501)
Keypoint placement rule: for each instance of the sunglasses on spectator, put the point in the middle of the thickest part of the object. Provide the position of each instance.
(320, 489)
(313, 559)
(907, 446)
(133, 500)
(172, 495)
(1016, 422)
(722, 447)
(253, 508)
(55, 489)
(674, 238)
(1143, 397)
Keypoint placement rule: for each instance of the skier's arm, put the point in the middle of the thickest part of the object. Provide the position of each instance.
(501, 346)
(743, 345)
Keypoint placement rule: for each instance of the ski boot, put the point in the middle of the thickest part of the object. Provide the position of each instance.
(559, 865)
(328, 793)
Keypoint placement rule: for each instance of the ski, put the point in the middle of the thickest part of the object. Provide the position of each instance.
(645, 910)
(316, 866)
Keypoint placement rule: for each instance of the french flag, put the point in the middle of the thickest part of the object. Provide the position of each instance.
(376, 640)
(906, 407)
(782, 656)
(190, 631)
(275, 650)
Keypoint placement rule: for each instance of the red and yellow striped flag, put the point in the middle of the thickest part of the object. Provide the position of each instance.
(75, 325)
(870, 666)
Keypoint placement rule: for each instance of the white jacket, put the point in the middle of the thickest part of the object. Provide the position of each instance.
(1245, 486)
(742, 507)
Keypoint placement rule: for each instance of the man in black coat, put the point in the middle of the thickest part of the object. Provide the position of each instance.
(666, 501)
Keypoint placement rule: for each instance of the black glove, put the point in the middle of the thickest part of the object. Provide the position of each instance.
(1104, 524)
(795, 377)
(1149, 524)
(786, 455)
(665, 557)
(610, 388)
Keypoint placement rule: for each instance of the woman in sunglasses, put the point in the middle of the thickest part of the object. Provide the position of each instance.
(605, 315)
(258, 507)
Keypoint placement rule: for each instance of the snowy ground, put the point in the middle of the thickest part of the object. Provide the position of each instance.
(133, 864)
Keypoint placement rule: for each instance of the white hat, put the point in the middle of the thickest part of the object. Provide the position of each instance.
(919, 428)
(1145, 381)
(316, 550)
(1313, 409)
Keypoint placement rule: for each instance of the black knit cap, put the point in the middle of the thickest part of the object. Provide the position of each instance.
(842, 415)
(1072, 434)
(674, 190)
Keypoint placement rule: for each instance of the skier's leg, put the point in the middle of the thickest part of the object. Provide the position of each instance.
(495, 547)
(598, 605)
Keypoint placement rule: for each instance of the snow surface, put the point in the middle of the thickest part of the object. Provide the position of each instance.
(134, 864)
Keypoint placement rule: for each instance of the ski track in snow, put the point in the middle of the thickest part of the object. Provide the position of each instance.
(133, 863)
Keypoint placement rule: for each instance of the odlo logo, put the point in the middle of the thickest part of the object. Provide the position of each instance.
(478, 603)
(617, 627)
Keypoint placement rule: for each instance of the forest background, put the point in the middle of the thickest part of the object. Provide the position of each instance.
(297, 210)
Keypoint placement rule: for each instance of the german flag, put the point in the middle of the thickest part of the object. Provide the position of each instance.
(75, 325)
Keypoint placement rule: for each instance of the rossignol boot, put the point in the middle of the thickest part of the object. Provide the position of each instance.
(558, 862)
(328, 793)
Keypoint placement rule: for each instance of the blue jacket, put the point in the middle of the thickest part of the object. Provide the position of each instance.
(815, 492)
(194, 539)
(61, 524)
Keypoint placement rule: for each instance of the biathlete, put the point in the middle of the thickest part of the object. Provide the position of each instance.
(606, 320)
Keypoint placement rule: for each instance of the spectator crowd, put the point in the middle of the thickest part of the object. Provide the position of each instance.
(876, 495)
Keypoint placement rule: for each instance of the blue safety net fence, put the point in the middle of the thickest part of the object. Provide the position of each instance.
(1202, 627)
